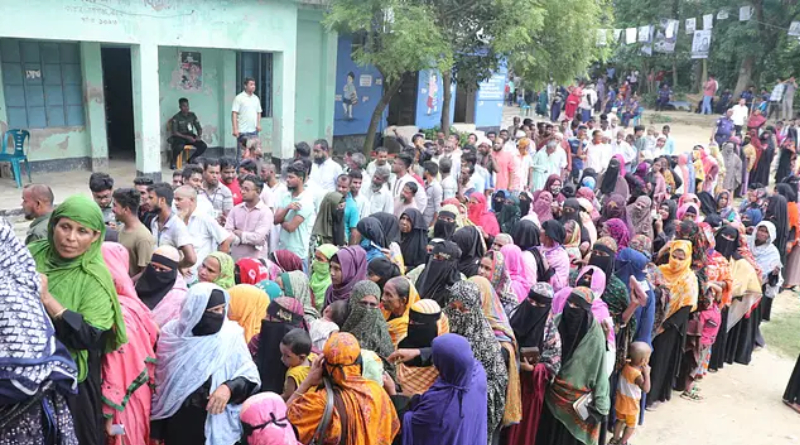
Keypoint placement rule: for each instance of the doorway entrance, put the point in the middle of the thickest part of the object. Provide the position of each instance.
(118, 93)
(403, 106)
(465, 105)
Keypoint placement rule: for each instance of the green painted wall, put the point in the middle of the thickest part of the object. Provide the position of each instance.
(316, 77)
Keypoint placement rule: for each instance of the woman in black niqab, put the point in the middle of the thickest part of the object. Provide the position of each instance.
(469, 241)
(777, 214)
(440, 273)
(414, 244)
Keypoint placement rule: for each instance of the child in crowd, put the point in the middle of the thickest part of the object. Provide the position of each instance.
(709, 319)
(296, 355)
(322, 328)
(634, 378)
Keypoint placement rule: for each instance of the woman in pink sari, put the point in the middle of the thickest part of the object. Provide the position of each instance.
(129, 372)
(520, 282)
(478, 212)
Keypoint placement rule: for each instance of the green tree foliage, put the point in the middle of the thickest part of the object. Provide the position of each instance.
(399, 37)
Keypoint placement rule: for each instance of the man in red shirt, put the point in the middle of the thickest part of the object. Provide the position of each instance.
(503, 164)
(230, 179)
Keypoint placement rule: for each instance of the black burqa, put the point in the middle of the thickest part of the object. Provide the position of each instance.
(785, 159)
(445, 229)
(760, 172)
(371, 229)
(154, 285)
(278, 323)
(390, 226)
(384, 269)
(469, 241)
(708, 205)
(610, 177)
(727, 244)
(440, 273)
(414, 244)
(792, 393)
(526, 237)
(777, 214)
(528, 320)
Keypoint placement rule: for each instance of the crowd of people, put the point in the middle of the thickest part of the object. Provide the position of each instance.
(536, 285)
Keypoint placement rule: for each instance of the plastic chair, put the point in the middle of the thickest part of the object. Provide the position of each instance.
(18, 155)
(184, 156)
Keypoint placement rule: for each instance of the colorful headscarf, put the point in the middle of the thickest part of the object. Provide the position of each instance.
(321, 275)
(288, 261)
(493, 310)
(515, 267)
(251, 271)
(367, 324)
(680, 279)
(480, 215)
(353, 261)
(225, 279)
(248, 307)
(265, 415)
(618, 231)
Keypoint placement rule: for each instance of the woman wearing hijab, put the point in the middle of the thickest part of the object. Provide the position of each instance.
(414, 238)
(480, 215)
(668, 341)
(571, 211)
(543, 206)
(440, 273)
(248, 306)
(788, 151)
(203, 373)
(264, 421)
(283, 315)
(493, 269)
(321, 274)
(373, 238)
(217, 268)
(553, 235)
(470, 242)
(80, 297)
(463, 309)
(792, 270)
(399, 295)
(778, 215)
(348, 267)
(295, 285)
(613, 180)
(498, 321)
(380, 270)
(370, 416)
(540, 348)
(686, 174)
(553, 186)
(161, 287)
(733, 167)
(618, 230)
(708, 205)
(389, 225)
(725, 207)
(287, 261)
(425, 323)
(129, 373)
(445, 225)
(525, 202)
(641, 218)
(365, 321)
(520, 280)
(526, 237)
(38, 379)
(510, 215)
(329, 225)
(614, 206)
(250, 271)
(453, 411)
(583, 371)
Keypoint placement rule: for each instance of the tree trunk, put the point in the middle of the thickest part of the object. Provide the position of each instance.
(390, 90)
(447, 80)
(745, 75)
(674, 73)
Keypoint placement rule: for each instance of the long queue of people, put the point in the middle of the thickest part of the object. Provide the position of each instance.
(555, 315)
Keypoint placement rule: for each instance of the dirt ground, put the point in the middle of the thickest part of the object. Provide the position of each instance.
(742, 404)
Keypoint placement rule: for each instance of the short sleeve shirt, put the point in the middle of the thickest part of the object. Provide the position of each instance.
(140, 244)
(628, 392)
(174, 233)
(206, 235)
(297, 241)
(187, 124)
(248, 108)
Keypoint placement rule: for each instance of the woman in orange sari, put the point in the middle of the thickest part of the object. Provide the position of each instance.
(371, 418)
(399, 294)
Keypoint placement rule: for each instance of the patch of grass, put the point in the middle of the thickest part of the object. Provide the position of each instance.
(781, 333)
(658, 118)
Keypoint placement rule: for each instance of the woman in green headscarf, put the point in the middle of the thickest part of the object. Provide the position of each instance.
(295, 285)
(321, 273)
(217, 268)
(79, 295)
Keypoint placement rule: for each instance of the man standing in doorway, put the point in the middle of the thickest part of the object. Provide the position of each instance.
(246, 114)
(186, 130)
(709, 90)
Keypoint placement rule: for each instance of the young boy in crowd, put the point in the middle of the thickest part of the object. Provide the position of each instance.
(296, 355)
(634, 378)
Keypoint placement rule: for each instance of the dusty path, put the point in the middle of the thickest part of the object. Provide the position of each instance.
(742, 404)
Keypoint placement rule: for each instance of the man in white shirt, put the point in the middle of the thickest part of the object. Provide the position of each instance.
(739, 117)
(381, 160)
(193, 176)
(400, 167)
(167, 228)
(207, 235)
(378, 195)
(598, 154)
(246, 112)
(588, 100)
(449, 184)
(325, 170)
(622, 147)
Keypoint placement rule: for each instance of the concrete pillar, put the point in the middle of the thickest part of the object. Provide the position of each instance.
(94, 107)
(146, 120)
(283, 97)
(230, 88)
(3, 111)
(330, 47)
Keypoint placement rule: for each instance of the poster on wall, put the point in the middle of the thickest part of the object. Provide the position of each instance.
(708, 21)
(665, 36)
(433, 100)
(630, 36)
(701, 44)
(191, 70)
(691, 24)
(794, 29)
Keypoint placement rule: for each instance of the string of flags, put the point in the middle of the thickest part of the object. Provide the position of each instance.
(661, 37)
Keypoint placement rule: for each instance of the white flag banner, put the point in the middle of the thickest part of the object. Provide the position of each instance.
(665, 36)
(671, 29)
(601, 37)
(745, 13)
(644, 34)
(708, 21)
(617, 35)
(701, 43)
(691, 25)
(723, 14)
(794, 29)
(630, 36)
(647, 50)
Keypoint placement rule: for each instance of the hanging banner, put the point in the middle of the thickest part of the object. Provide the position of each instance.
(630, 36)
(617, 35)
(644, 34)
(794, 29)
(708, 21)
(701, 43)
(601, 37)
(745, 13)
(691, 25)
(723, 14)
(647, 50)
(666, 36)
